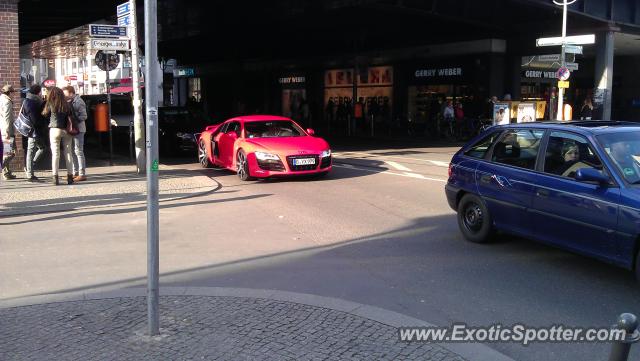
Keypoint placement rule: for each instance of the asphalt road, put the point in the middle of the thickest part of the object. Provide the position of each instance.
(377, 230)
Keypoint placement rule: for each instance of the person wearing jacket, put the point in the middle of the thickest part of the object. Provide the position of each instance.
(79, 109)
(58, 111)
(32, 108)
(6, 128)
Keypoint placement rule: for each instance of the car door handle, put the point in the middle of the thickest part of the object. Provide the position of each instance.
(543, 193)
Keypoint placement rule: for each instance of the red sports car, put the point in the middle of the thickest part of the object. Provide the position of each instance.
(261, 146)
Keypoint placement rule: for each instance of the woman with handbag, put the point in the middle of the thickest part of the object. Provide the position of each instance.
(58, 111)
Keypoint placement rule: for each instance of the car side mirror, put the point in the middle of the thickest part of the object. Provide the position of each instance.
(311, 132)
(591, 175)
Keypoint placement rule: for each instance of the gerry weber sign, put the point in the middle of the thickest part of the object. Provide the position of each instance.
(539, 74)
(292, 80)
(443, 72)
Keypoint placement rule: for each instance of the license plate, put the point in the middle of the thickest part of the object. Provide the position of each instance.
(304, 161)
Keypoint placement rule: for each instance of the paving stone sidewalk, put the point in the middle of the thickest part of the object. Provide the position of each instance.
(203, 326)
(105, 187)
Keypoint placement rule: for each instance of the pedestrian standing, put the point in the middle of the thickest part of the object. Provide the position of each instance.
(79, 109)
(586, 112)
(58, 111)
(32, 107)
(6, 128)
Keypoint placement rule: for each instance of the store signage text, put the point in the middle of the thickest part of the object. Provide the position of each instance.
(429, 73)
(540, 74)
(184, 72)
(292, 80)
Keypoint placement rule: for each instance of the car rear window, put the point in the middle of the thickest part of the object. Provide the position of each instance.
(518, 147)
(481, 147)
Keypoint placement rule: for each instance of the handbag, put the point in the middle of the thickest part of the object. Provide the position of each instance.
(72, 128)
(23, 124)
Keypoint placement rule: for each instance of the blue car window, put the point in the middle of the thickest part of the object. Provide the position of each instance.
(481, 147)
(518, 147)
(623, 148)
(567, 152)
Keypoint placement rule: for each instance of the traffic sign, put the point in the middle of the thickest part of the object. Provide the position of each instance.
(563, 73)
(107, 31)
(123, 9)
(124, 20)
(563, 84)
(106, 61)
(109, 44)
(572, 66)
(573, 40)
(573, 49)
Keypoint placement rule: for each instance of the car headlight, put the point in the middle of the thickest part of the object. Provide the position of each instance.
(326, 153)
(266, 156)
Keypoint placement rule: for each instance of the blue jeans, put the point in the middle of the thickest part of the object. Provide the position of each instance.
(79, 162)
(33, 155)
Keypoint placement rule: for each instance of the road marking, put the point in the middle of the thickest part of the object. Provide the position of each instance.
(397, 166)
(406, 174)
(437, 163)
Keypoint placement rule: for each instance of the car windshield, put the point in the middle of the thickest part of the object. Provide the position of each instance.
(273, 129)
(623, 148)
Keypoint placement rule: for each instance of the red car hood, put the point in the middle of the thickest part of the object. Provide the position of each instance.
(291, 145)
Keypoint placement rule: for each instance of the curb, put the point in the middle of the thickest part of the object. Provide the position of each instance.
(470, 351)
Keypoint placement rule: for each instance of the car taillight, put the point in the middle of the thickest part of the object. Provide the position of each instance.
(450, 169)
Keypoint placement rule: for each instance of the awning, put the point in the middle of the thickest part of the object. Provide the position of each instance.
(122, 89)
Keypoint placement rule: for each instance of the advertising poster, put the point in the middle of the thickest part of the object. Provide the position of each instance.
(501, 113)
(338, 78)
(526, 113)
(541, 107)
(514, 109)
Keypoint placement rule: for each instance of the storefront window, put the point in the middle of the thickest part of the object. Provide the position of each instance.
(195, 90)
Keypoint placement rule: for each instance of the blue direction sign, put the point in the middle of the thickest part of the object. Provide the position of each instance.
(107, 31)
(124, 20)
(123, 9)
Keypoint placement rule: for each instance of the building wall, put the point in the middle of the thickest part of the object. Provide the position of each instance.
(10, 63)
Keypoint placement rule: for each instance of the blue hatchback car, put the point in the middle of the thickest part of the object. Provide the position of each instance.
(575, 185)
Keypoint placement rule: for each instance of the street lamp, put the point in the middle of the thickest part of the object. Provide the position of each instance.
(564, 4)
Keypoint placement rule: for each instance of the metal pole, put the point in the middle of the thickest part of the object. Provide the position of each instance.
(138, 121)
(560, 114)
(151, 79)
(620, 349)
(107, 56)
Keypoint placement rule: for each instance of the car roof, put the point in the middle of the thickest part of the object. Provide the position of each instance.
(594, 127)
(255, 118)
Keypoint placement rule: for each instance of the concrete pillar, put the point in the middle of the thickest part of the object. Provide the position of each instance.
(604, 74)
(10, 64)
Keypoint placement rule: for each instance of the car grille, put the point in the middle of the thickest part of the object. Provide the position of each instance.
(271, 165)
(298, 168)
(326, 161)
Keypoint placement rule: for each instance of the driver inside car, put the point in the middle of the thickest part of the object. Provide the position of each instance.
(621, 154)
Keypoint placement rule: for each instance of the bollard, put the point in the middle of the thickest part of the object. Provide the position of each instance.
(620, 349)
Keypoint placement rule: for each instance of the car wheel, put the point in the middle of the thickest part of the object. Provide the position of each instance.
(203, 157)
(474, 219)
(243, 166)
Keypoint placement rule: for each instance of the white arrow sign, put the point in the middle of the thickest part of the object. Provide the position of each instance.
(571, 66)
(573, 40)
(573, 49)
(109, 44)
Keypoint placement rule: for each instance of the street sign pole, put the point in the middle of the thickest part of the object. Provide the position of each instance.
(564, 4)
(138, 122)
(151, 79)
(109, 119)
